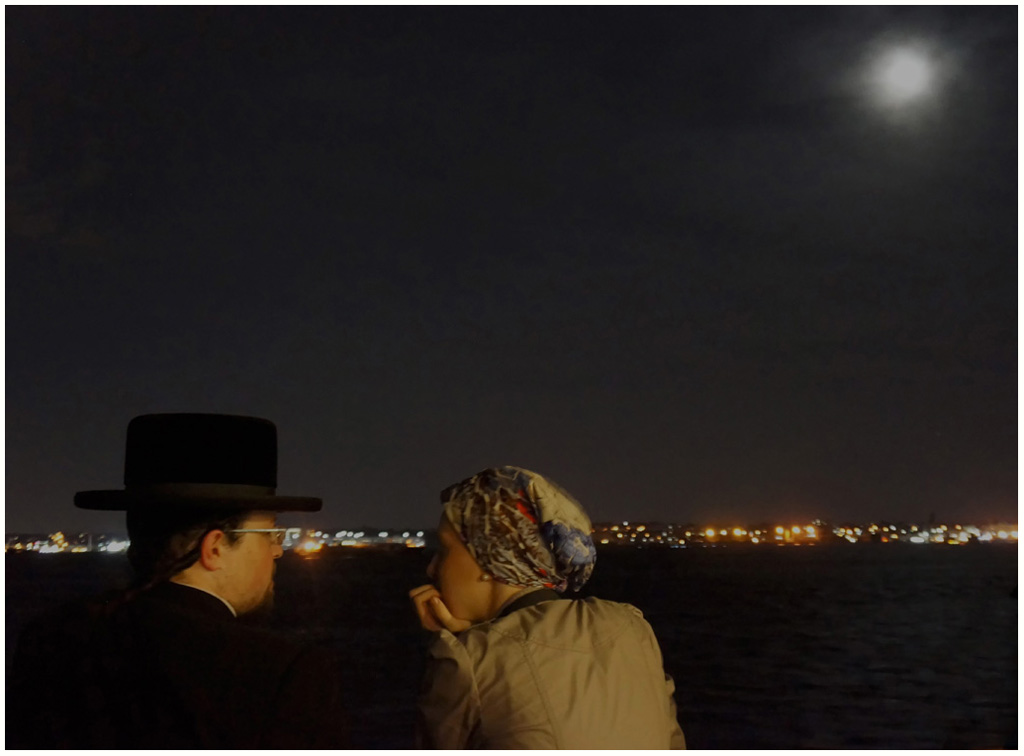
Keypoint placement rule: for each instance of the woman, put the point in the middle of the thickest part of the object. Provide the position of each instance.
(514, 665)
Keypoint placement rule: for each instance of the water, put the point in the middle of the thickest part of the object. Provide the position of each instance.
(867, 646)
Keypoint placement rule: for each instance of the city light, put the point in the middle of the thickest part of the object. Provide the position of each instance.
(639, 535)
(818, 533)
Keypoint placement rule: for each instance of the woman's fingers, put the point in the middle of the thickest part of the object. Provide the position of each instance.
(433, 614)
(421, 597)
(452, 624)
(423, 589)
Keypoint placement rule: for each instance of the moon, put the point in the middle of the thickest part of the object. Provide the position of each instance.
(903, 76)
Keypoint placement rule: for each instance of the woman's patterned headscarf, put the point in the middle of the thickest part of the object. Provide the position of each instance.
(522, 528)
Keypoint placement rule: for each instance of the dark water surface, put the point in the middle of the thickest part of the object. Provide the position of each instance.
(867, 646)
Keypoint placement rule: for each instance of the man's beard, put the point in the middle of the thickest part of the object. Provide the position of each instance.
(266, 604)
(264, 608)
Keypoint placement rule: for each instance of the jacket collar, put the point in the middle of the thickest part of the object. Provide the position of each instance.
(191, 599)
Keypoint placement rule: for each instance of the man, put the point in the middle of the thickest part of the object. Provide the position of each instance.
(166, 664)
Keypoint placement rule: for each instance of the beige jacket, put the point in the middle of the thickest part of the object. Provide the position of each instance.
(581, 674)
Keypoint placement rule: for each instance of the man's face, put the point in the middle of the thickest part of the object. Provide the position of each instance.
(247, 581)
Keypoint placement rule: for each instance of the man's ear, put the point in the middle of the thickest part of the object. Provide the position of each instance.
(211, 550)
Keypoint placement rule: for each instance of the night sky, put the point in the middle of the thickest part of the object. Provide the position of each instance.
(711, 265)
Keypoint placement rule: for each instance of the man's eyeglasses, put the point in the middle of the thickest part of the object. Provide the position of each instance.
(276, 534)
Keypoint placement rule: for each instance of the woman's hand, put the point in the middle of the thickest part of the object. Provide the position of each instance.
(433, 614)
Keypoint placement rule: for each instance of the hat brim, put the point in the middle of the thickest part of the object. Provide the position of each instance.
(122, 500)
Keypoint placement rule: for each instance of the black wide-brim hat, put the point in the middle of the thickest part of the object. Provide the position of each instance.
(199, 461)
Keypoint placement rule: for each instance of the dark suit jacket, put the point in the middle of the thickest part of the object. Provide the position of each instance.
(171, 668)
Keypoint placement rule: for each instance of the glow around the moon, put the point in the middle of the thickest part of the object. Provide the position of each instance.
(903, 76)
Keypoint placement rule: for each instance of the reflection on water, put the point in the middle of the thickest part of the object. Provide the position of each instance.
(860, 647)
